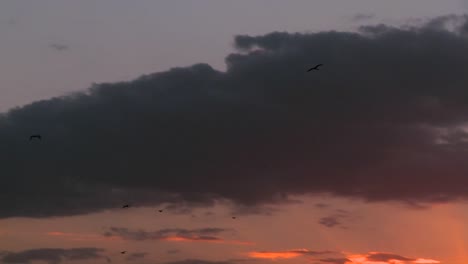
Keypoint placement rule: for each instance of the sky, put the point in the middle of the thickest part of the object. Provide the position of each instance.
(205, 110)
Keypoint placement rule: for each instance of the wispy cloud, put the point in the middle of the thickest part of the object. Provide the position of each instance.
(210, 235)
(363, 16)
(59, 47)
(83, 237)
(322, 205)
(334, 219)
(173, 251)
(136, 256)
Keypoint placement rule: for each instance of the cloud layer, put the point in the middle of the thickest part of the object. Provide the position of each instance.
(339, 257)
(203, 233)
(211, 235)
(384, 119)
(53, 255)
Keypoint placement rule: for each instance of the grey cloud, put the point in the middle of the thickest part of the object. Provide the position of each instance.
(254, 210)
(381, 121)
(386, 257)
(183, 207)
(53, 255)
(329, 221)
(178, 209)
(190, 234)
(363, 16)
(334, 219)
(59, 47)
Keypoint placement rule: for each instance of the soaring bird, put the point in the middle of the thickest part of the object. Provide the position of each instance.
(123, 252)
(161, 211)
(126, 206)
(35, 136)
(315, 68)
(233, 217)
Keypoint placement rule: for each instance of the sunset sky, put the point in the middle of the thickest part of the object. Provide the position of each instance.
(203, 109)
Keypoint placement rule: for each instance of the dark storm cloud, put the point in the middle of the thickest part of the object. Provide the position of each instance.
(53, 255)
(381, 121)
(188, 234)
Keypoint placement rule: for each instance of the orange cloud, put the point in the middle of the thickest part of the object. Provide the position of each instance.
(426, 261)
(293, 253)
(385, 258)
(369, 258)
(83, 237)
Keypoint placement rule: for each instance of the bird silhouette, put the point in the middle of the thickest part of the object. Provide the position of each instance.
(126, 206)
(123, 252)
(233, 217)
(161, 211)
(315, 68)
(35, 136)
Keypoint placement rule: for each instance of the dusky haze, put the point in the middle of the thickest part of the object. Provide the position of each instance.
(204, 110)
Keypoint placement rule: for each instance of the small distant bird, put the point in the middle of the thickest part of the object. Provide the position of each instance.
(315, 68)
(35, 136)
(123, 252)
(233, 217)
(126, 206)
(161, 211)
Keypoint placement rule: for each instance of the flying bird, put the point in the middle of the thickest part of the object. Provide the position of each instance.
(161, 211)
(123, 252)
(35, 136)
(315, 68)
(126, 206)
(233, 217)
